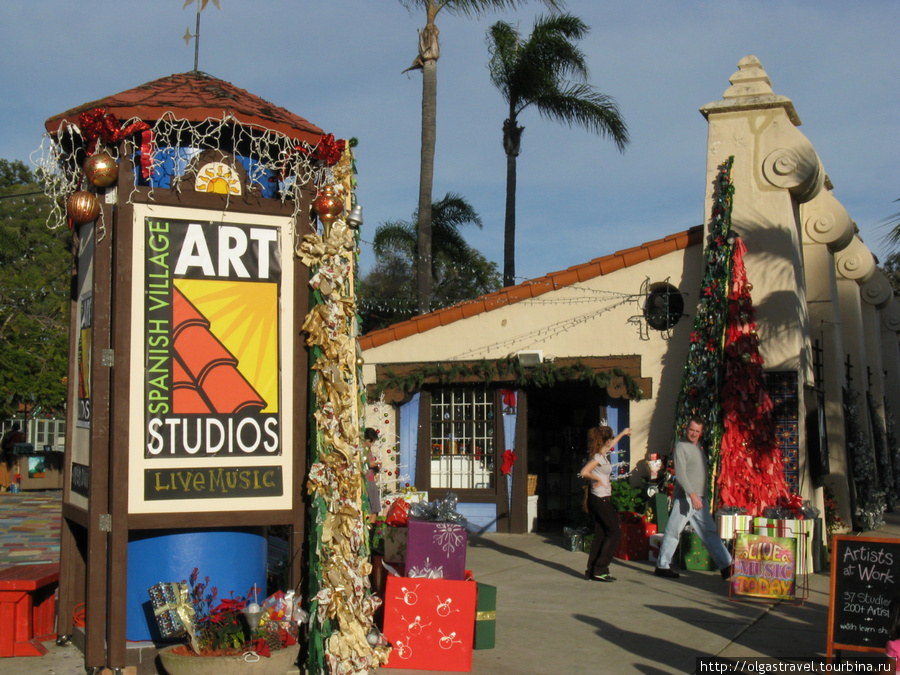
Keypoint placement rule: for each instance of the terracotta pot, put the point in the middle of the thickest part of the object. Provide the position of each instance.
(180, 664)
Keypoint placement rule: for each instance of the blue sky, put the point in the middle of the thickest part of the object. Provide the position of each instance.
(338, 63)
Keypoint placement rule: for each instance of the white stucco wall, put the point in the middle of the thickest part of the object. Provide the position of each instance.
(599, 317)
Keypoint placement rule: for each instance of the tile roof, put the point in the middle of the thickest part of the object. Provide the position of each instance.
(195, 97)
(534, 287)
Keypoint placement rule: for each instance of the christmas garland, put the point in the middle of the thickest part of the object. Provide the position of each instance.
(509, 371)
(893, 449)
(703, 372)
(165, 153)
(869, 513)
(882, 452)
(342, 607)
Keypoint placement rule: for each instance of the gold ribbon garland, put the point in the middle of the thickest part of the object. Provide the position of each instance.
(337, 476)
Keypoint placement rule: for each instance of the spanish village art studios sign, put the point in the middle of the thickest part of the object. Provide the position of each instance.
(217, 299)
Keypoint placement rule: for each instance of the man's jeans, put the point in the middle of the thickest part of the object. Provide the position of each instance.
(682, 514)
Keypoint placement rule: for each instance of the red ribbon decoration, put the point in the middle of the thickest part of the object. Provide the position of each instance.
(329, 151)
(509, 398)
(509, 458)
(97, 124)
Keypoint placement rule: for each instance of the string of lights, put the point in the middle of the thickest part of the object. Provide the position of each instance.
(541, 334)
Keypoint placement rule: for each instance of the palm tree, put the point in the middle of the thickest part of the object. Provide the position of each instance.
(458, 271)
(536, 72)
(426, 61)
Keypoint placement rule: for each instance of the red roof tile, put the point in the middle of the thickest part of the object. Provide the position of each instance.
(534, 287)
(196, 97)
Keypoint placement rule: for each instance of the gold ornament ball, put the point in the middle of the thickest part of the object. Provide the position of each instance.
(82, 207)
(101, 170)
(749, 287)
(360, 361)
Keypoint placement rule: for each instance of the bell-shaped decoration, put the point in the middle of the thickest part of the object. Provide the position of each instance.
(101, 170)
(82, 207)
(328, 206)
(355, 217)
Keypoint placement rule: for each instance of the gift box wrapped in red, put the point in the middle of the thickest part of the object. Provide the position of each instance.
(635, 541)
(436, 549)
(430, 623)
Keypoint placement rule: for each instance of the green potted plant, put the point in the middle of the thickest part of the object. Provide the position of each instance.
(628, 500)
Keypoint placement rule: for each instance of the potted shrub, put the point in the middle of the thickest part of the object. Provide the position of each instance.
(628, 500)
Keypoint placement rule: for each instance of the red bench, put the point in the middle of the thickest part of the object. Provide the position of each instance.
(27, 608)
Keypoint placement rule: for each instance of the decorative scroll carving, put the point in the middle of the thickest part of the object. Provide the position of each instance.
(877, 291)
(826, 221)
(796, 169)
(890, 317)
(855, 262)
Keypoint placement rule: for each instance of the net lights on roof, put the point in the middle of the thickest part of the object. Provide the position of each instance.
(168, 152)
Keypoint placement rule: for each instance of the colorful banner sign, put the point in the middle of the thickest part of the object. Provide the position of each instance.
(764, 567)
(212, 359)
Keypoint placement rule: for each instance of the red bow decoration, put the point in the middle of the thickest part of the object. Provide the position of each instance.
(509, 398)
(261, 648)
(329, 150)
(97, 124)
(509, 458)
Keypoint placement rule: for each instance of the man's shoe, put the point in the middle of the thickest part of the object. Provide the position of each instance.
(666, 573)
(604, 577)
(726, 572)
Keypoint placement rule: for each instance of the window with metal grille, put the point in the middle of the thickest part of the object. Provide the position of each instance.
(463, 428)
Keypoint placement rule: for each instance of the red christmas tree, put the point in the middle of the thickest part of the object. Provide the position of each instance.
(751, 474)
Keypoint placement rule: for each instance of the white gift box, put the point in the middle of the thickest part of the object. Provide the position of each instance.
(655, 543)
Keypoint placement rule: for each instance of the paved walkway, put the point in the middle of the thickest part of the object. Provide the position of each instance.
(549, 619)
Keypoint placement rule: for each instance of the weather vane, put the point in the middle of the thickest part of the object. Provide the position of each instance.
(201, 5)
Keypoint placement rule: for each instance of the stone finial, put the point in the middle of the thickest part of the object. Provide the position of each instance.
(750, 90)
(749, 80)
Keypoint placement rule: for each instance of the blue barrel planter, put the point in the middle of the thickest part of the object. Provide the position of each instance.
(233, 559)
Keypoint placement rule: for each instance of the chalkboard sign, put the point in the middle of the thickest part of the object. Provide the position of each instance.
(865, 576)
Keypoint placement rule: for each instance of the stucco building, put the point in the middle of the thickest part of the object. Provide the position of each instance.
(451, 392)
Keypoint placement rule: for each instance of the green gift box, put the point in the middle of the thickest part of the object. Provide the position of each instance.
(587, 542)
(485, 616)
(694, 553)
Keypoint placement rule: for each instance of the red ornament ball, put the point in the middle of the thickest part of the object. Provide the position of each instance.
(82, 207)
(101, 170)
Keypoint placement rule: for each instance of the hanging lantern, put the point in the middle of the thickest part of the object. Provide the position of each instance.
(101, 170)
(82, 207)
(328, 206)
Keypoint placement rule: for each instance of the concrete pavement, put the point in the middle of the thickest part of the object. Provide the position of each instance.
(551, 620)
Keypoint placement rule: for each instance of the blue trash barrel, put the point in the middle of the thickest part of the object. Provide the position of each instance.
(233, 559)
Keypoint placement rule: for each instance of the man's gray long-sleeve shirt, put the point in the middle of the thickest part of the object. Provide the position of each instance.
(690, 470)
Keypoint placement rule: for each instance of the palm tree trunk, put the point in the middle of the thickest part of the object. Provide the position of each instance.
(426, 181)
(509, 230)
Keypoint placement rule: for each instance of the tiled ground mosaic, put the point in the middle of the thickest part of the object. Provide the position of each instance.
(29, 527)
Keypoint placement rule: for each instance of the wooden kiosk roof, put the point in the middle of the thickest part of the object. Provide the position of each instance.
(196, 97)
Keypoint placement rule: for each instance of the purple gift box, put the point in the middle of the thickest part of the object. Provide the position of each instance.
(435, 549)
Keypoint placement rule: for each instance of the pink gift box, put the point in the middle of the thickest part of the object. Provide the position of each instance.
(436, 549)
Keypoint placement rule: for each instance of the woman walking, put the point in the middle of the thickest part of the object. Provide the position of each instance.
(607, 531)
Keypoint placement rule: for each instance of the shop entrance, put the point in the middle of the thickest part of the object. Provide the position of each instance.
(558, 421)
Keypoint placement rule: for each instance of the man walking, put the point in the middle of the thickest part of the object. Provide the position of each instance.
(691, 505)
